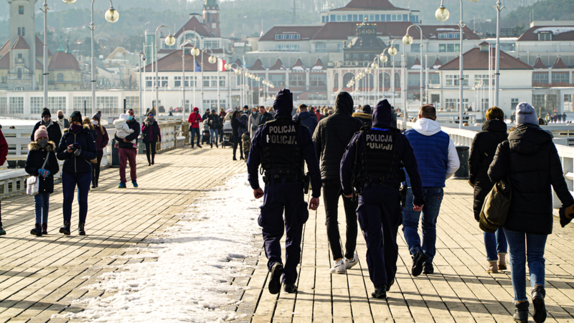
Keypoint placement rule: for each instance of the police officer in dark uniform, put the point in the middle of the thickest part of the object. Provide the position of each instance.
(282, 147)
(373, 166)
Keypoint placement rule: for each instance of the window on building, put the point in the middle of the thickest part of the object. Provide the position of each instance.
(148, 81)
(405, 17)
(361, 18)
(16, 105)
(397, 80)
(164, 81)
(545, 36)
(206, 81)
(21, 10)
(212, 44)
(482, 80)
(133, 102)
(4, 105)
(435, 99)
(177, 81)
(23, 31)
(19, 56)
(19, 31)
(286, 48)
(415, 48)
(339, 48)
(336, 81)
(448, 48)
(355, 18)
(540, 78)
(434, 79)
(347, 78)
(323, 19)
(297, 80)
(318, 80)
(560, 78)
(107, 104)
(414, 80)
(36, 104)
(78, 103)
(333, 18)
(377, 17)
(393, 17)
(450, 35)
(60, 77)
(320, 48)
(454, 80)
(568, 103)
(372, 17)
(485, 104)
(19, 73)
(513, 103)
(387, 82)
(317, 96)
(213, 81)
(277, 79)
(451, 105)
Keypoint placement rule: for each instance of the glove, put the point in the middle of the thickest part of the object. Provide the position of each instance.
(566, 215)
(77, 152)
(77, 146)
(471, 184)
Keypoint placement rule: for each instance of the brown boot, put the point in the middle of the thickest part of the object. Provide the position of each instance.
(502, 261)
(492, 268)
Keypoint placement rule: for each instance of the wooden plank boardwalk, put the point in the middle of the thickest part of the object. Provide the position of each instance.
(40, 277)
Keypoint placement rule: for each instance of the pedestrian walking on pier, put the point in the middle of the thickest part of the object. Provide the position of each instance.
(101, 142)
(62, 121)
(238, 127)
(494, 131)
(282, 147)
(372, 168)
(530, 161)
(3, 156)
(151, 135)
(42, 162)
(438, 161)
(304, 117)
(214, 128)
(331, 137)
(54, 131)
(194, 120)
(77, 148)
(128, 151)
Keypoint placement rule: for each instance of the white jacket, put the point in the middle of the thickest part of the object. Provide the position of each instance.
(428, 127)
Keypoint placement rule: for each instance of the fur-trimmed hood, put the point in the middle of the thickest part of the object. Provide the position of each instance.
(85, 127)
(363, 115)
(34, 146)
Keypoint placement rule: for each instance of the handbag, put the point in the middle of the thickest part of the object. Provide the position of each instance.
(33, 182)
(496, 207)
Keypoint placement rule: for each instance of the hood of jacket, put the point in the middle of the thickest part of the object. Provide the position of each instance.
(527, 139)
(344, 103)
(304, 115)
(283, 104)
(119, 121)
(494, 126)
(382, 116)
(427, 127)
(34, 146)
(362, 115)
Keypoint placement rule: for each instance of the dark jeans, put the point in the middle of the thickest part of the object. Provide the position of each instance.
(240, 143)
(150, 151)
(331, 193)
(433, 199)
(127, 154)
(523, 245)
(220, 134)
(69, 183)
(195, 131)
(42, 207)
(495, 243)
(96, 172)
(213, 135)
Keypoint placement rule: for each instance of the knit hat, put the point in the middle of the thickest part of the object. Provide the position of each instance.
(526, 114)
(97, 116)
(76, 115)
(46, 112)
(41, 132)
(367, 109)
(283, 104)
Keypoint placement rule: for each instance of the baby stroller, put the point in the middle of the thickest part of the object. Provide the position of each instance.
(205, 134)
(227, 130)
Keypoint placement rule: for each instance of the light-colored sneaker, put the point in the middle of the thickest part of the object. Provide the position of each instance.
(338, 268)
(349, 263)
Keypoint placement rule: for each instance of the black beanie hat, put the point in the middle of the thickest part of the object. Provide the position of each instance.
(97, 115)
(46, 112)
(76, 115)
(367, 109)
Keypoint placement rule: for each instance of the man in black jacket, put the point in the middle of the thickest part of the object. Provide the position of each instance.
(54, 130)
(128, 151)
(331, 137)
(264, 116)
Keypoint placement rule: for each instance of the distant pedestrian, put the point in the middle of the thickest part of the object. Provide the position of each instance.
(102, 141)
(304, 117)
(365, 115)
(3, 156)
(438, 161)
(238, 127)
(151, 135)
(194, 120)
(264, 116)
(62, 121)
(127, 151)
(77, 148)
(87, 122)
(253, 123)
(530, 161)
(331, 138)
(494, 131)
(54, 131)
(42, 162)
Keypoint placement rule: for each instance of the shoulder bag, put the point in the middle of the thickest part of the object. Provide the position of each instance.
(496, 207)
(33, 182)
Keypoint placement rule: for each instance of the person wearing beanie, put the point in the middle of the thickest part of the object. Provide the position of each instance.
(331, 138)
(194, 120)
(287, 146)
(77, 149)
(54, 130)
(62, 121)
(102, 140)
(365, 115)
(375, 155)
(38, 151)
(151, 134)
(438, 161)
(3, 156)
(530, 162)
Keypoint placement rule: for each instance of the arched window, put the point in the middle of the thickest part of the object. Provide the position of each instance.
(347, 78)
(19, 31)
(387, 80)
(193, 37)
(367, 82)
(336, 84)
(397, 80)
(60, 77)
(23, 31)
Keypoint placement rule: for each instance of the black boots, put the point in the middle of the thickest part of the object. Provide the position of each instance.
(44, 228)
(275, 282)
(37, 231)
(380, 292)
(211, 145)
(81, 230)
(538, 294)
(290, 288)
(418, 261)
(153, 160)
(66, 228)
(521, 312)
(428, 269)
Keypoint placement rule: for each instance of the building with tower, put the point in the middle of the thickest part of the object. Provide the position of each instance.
(211, 17)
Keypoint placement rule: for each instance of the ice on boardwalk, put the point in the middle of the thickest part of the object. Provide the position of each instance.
(197, 260)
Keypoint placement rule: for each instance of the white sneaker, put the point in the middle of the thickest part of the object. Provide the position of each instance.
(349, 263)
(338, 268)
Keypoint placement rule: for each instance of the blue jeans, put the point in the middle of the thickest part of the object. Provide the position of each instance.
(534, 250)
(433, 199)
(42, 207)
(213, 135)
(195, 131)
(69, 183)
(495, 243)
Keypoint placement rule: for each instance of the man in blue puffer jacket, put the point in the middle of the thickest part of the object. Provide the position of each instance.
(437, 160)
(304, 117)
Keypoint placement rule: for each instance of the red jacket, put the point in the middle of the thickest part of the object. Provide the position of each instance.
(194, 120)
(3, 149)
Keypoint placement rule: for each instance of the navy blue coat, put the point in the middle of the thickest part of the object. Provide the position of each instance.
(82, 163)
(305, 119)
(35, 160)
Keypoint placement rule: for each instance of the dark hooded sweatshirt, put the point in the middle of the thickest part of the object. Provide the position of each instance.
(530, 160)
(333, 134)
(382, 118)
(481, 155)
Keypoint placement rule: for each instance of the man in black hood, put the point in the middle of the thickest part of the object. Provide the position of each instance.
(331, 137)
(282, 147)
(373, 166)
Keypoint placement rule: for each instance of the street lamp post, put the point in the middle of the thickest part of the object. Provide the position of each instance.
(408, 40)
(229, 67)
(393, 51)
(187, 42)
(499, 7)
(111, 16)
(383, 59)
(442, 14)
(194, 52)
(142, 59)
(211, 60)
(169, 41)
